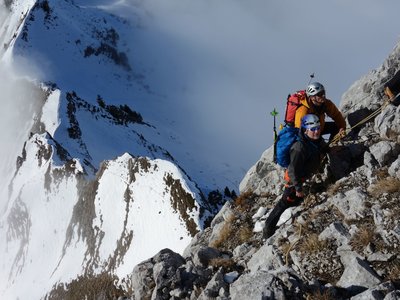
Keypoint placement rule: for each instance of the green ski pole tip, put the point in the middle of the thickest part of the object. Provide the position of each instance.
(274, 113)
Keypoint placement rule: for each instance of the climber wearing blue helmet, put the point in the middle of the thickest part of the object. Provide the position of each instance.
(305, 158)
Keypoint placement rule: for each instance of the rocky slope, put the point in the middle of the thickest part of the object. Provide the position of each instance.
(343, 242)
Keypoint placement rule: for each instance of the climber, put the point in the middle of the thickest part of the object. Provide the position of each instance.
(305, 158)
(392, 89)
(316, 103)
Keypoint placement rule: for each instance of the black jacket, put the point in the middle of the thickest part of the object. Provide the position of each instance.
(305, 158)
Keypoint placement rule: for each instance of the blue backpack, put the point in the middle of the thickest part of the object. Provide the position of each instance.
(286, 138)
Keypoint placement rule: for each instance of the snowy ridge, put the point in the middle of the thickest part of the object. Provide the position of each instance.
(90, 62)
(118, 220)
(98, 180)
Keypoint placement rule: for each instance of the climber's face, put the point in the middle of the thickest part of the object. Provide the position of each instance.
(318, 99)
(314, 133)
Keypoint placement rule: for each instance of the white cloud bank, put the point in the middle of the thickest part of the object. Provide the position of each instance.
(227, 64)
(19, 104)
(240, 59)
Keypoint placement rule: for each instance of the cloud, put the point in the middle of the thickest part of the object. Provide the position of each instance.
(224, 65)
(232, 62)
(20, 103)
(19, 106)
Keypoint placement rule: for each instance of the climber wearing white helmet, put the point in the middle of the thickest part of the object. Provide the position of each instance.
(317, 103)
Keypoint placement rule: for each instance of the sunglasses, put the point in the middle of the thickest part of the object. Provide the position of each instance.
(320, 95)
(313, 129)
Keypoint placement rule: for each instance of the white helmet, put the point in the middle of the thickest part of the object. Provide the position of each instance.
(314, 88)
(310, 121)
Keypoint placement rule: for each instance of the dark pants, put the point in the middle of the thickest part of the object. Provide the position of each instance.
(289, 199)
(330, 128)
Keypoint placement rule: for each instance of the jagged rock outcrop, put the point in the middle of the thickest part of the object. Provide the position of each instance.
(343, 242)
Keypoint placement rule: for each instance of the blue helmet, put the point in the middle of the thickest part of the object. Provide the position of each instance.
(314, 88)
(310, 121)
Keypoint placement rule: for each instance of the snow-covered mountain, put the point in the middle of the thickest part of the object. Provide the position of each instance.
(89, 53)
(97, 171)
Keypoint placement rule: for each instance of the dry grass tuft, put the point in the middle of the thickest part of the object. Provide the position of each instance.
(245, 233)
(244, 201)
(381, 173)
(311, 244)
(364, 236)
(226, 263)
(321, 295)
(284, 245)
(310, 201)
(394, 271)
(333, 189)
(225, 233)
(384, 185)
(235, 231)
(102, 286)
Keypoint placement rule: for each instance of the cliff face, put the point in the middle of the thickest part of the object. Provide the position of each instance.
(343, 242)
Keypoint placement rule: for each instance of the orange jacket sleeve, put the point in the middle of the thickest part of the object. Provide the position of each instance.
(332, 111)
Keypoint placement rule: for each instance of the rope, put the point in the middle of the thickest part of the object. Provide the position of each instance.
(339, 136)
(367, 96)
